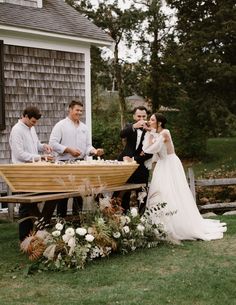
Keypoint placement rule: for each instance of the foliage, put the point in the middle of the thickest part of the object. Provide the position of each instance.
(101, 74)
(152, 39)
(205, 64)
(106, 126)
(98, 234)
(106, 135)
(119, 24)
(189, 138)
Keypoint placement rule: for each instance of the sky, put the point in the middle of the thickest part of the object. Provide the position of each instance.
(133, 54)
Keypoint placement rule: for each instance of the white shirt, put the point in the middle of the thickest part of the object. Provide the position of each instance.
(139, 135)
(24, 143)
(68, 134)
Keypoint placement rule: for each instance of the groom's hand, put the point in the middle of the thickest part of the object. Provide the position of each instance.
(140, 124)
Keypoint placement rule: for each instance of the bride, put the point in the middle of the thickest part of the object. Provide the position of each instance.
(169, 185)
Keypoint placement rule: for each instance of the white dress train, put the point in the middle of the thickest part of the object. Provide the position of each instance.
(180, 216)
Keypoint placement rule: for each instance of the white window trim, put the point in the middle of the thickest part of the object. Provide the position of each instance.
(39, 3)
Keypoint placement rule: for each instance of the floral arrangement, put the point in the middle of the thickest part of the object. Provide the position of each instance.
(96, 234)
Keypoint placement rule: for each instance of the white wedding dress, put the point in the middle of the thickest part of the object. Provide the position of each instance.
(170, 185)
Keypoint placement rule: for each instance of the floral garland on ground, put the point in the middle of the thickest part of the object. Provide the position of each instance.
(98, 234)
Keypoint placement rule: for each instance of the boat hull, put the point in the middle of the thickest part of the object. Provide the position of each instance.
(50, 177)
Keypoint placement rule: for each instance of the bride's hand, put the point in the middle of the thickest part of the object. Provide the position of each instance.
(142, 153)
(147, 128)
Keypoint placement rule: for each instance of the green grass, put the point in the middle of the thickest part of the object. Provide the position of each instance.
(221, 154)
(194, 273)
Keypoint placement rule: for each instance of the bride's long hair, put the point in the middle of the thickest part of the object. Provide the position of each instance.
(160, 118)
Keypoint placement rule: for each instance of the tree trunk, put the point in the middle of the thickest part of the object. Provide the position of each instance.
(118, 78)
(154, 73)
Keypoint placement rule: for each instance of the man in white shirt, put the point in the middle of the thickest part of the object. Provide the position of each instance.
(24, 142)
(25, 147)
(70, 137)
(71, 140)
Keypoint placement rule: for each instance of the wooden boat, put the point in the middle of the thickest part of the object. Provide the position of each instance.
(53, 177)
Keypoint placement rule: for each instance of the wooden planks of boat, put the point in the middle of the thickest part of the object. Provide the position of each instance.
(53, 177)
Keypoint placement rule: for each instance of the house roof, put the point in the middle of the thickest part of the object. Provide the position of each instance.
(55, 17)
(135, 98)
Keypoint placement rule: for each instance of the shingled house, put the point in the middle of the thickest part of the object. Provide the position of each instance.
(44, 61)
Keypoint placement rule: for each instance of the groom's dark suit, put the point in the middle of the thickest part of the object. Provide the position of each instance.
(141, 174)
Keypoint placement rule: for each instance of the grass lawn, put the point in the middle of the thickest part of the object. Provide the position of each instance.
(221, 154)
(194, 273)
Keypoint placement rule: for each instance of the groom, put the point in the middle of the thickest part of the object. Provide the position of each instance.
(134, 135)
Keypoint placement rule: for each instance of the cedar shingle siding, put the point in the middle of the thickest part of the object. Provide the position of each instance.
(46, 78)
(2, 96)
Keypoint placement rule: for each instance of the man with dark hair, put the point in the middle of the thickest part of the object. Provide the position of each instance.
(24, 142)
(71, 140)
(25, 147)
(134, 136)
(70, 137)
(32, 112)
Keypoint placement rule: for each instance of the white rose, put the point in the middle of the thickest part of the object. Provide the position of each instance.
(70, 232)
(66, 238)
(143, 220)
(127, 219)
(59, 226)
(134, 212)
(89, 237)
(90, 230)
(140, 228)
(71, 242)
(122, 220)
(126, 229)
(116, 234)
(56, 233)
(81, 231)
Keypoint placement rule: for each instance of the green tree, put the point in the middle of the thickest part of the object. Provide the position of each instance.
(101, 77)
(119, 24)
(206, 61)
(152, 39)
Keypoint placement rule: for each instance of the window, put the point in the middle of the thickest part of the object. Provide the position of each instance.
(2, 96)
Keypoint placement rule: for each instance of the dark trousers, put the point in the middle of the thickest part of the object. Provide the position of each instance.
(31, 210)
(76, 207)
(26, 226)
(126, 202)
(139, 176)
